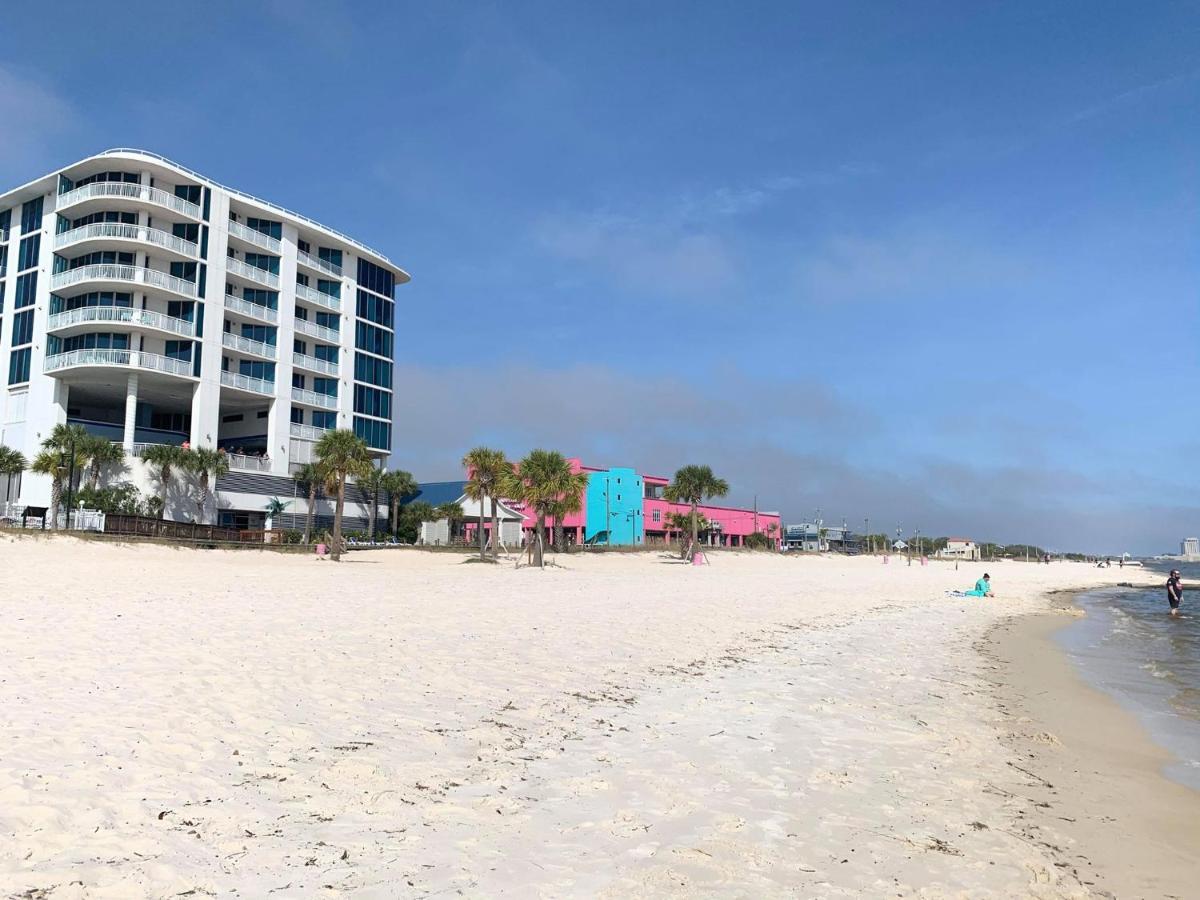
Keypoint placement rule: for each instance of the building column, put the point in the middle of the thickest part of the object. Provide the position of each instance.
(131, 400)
(201, 435)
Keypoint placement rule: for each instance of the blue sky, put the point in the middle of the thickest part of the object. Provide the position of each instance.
(936, 265)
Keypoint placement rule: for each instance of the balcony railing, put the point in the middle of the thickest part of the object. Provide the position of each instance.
(257, 238)
(303, 326)
(312, 398)
(129, 274)
(308, 432)
(246, 383)
(141, 192)
(246, 345)
(320, 298)
(321, 265)
(3, 235)
(122, 231)
(125, 358)
(313, 364)
(254, 273)
(248, 463)
(253, 310)
(121, 314)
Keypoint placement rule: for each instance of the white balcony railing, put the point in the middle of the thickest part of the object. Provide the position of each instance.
(303, 326)
(248, 463)
(308, 432)
(312, 398)
(257, 238)
(246, 383)
(140, 192)
(139, 449)
(246, 345)
(253, 310)
(254, 273)
(320, 298)
(129, 274)
(125, 358)
(122, 315)
(122, 231)
(315, 262)
(313, 364)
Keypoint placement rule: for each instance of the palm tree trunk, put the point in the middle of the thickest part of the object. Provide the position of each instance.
(482, 536)
(308, 519)
(695, 528)
(336, 553)
(394, 513)
(495, 530)
(560, 535)
(203, 502)
(94, 479)
(55, 499)
(164, 476)
(373, 498)
(540, 538)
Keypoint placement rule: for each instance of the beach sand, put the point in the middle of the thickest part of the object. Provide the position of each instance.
(210, 723)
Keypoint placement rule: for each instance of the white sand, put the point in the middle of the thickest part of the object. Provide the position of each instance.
(177, 721)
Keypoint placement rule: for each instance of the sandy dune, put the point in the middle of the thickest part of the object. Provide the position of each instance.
(403, 724)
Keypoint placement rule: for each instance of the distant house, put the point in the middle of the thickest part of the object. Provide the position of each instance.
(438, 533)
(900, 546)
(959, 548)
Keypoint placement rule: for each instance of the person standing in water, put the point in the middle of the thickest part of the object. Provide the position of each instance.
(1174, 591)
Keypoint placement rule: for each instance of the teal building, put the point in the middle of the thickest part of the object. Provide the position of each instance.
(614, 508)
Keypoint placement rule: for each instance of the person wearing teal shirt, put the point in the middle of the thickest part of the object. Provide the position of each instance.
(983, 587)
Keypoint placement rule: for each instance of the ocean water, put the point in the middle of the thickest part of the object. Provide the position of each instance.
(1129, 647)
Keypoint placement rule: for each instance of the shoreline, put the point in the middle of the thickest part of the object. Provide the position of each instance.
(1096, 776)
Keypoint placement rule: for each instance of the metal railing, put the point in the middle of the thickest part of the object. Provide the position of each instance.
(248, 463)
(257, 238)
(320, 298)
(246, 345)
(253, 310)
(313, 364)
(308, 432)
(312, 398)
(120, 272)
(139, 449)
(123, 231)
(127, 358)
(123, 314)
(129, 190)
(303, 326)
(254, 273)
(315, 262)
(246, 383)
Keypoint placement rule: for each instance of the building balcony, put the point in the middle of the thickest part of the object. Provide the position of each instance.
(303, 326)
(308, 432)
(308, 295)
(120, 315)
(251, 310)
(107, 232)
(252, 273)
(313, 364)
(257, 238)
(318, 264)
(242, 382)
(312, 398)
(125, 193)
(125, 359)
(115, 273)
(248, 463)
(245, 345)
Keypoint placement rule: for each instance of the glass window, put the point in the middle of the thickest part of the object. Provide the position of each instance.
(299, 346)
(22, 332)
(324, 419)
(255, 369)
(31, 216)
(327, 352)
(264, 334)
(334, 257)
(372, 370)
(376, 279)
(326, 386)
(267, 227)
(184, 270)
(26, 290)
(329, 288)
(27, 258)
(377, 434)
(18, 366)
(188, 192)
(189, 231)
(303, 247)
(3, 261)
(373, 340)
(372, 401)
(264, 262)
(103, 257)
(127, 218)
(179, 350)
(376, 309)
(329, 320)
(297, 415)
(269, 299)
(298, 380)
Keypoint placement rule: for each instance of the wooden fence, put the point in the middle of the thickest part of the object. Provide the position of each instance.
(143, 526)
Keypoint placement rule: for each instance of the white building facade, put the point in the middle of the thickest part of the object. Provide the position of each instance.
(959, 548)
(152, 305)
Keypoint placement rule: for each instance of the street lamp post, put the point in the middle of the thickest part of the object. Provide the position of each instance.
(70, 481)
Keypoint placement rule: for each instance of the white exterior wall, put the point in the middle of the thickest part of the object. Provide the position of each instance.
(28, 412)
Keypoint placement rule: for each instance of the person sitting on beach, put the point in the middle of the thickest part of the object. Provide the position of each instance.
(1174, 591)
(983, 587)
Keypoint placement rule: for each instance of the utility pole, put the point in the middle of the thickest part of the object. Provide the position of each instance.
(867, 534)
(756, 513)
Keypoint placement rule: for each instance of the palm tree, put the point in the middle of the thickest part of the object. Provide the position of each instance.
(101, 452)
(53, 463)
(165, 459)
(205, 463)
(562, 508)
(692, 485)
(274, 509)
(487, 470)
(342, 454)
(544, 480)
(397, 484)
(451, 512)
(370, 484)
(12, 462)
(67, 448)
(312, 477)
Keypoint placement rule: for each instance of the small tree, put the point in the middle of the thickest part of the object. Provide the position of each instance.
(205, 463)
(487, 472)
(693, 485)
(165, 459)
(311, 476)
(370, 484)
(55, 464)
(397, 484)
(342, 454)
(12, 462)
(101, 452)
(544, 479)
(275, 508)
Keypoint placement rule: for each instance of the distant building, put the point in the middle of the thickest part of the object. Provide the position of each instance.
(1190, 549)
(813, 537)
(959, 548)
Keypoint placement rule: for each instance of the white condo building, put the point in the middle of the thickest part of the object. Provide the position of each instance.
(150, 304)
